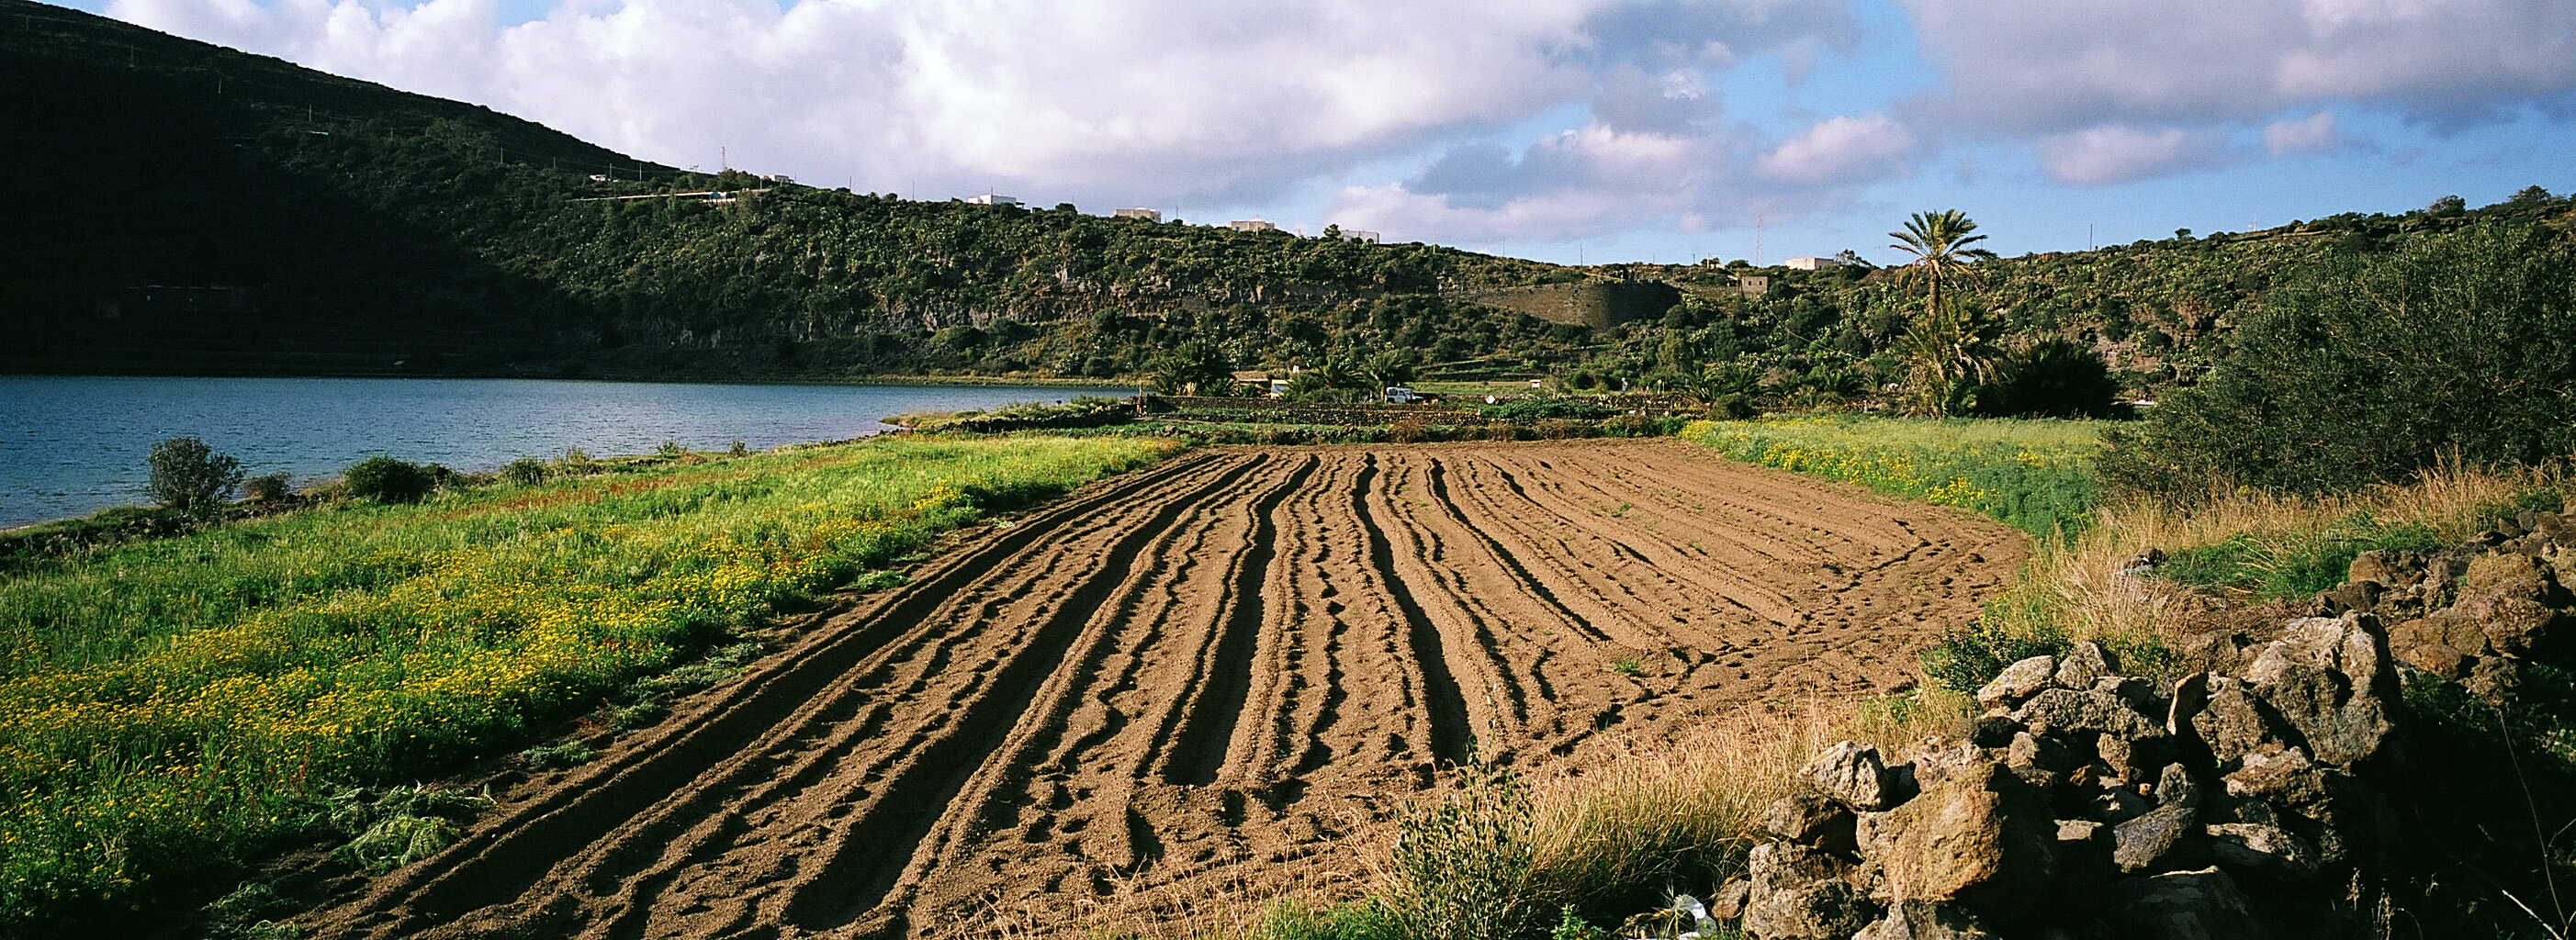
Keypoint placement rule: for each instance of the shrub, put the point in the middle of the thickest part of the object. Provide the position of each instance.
(2052, 378)
(2460, 346)
(267, 486)
(525, 471)
(387, 480)
(188, 475)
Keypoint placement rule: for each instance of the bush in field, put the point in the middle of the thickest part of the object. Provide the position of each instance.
(2052, 378)
(525, 471)
(387, 480)
(267, 486)
(188, 475)
(2461, 345)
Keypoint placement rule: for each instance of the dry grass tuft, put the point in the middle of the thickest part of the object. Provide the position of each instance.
(2076, 586)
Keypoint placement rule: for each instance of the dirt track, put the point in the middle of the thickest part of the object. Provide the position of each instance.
(1199, 673)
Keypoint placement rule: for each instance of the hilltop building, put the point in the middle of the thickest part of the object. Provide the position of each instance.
(1251, 225)
(1812, 264)
(1149, 215)
(988, 199)
(1357, 235)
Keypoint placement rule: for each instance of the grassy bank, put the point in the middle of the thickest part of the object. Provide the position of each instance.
(2034, 475)
(171, 704)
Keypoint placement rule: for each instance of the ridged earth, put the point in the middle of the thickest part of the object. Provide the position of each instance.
(1200, 676)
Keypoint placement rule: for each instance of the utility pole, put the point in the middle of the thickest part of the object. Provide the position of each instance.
(1757, 239)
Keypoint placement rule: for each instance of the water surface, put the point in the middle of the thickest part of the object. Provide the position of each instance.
(70, 446)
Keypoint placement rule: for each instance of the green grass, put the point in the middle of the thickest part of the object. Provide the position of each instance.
(176, 705)
(2036, 476)
(2294, 564)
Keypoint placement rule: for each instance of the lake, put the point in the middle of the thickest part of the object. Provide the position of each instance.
(70, 446)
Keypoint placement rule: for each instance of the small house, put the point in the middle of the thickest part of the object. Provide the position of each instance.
(1149, 215)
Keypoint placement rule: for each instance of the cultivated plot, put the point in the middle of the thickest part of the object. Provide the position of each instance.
(1203, 673)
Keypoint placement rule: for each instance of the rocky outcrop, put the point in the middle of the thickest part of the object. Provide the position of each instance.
(2092, 803)
(2478, 614)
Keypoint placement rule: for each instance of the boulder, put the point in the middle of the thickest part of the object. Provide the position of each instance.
(1916, 920)
(2231, 724)
(2028, 750)
(2176, 787)
(2324, 678)
(2390, 568)
(2190, 695)
(2441, 644)
(1978, 839)
(2506, 574)
(1728, 904)
(2516, 626)
(2018, 681)
(2494, 678)
(2068, 712)
(2342, 725)
(1933, 759)
(1801, 893)
(2166, 838)
(2185, 905)
(2083, 665)
(1852, 773)
(2277, 774)
(2261, 847)
(1811, 818)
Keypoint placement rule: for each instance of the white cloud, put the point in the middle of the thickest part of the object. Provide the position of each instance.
(2049, 66)
(1113, 101)
(1841, 150)
(2109, 155)
(2315, 133)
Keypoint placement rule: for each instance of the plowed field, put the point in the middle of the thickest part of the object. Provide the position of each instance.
(1202, 673)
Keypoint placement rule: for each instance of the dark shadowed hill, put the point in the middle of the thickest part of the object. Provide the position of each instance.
(185, 208)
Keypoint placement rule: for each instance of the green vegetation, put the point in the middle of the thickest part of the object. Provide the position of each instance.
(169, 707)
(187, 475)
(2036, 476)
(2459, 347)
(387, 228)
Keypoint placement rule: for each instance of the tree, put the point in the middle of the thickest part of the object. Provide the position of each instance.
(1946, 358)
(188, 475)
(1196, 367)
(1390, 367)
(1939, 242)
(2459, 346)
(2052, 378)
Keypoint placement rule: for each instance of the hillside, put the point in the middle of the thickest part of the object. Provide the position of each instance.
(200, 210)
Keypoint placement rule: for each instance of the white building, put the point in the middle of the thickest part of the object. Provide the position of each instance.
(988, 199)
(1251, 225)
(1149, 215)
(1357, 235)
(1813, 264)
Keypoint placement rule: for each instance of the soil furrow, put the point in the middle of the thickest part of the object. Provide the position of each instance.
(1189, 683)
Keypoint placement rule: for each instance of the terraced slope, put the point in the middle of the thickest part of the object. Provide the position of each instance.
(1202, 673)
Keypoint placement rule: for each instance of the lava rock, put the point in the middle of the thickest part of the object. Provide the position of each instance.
(2065, 711)
(2231, 724)
(2186, 905)
(2260, 847)
(2017, 682)
(1799, 893)
(1976, 838)
(1853, 773)
(2164, 839)
(1811, 818)
(2083, 665)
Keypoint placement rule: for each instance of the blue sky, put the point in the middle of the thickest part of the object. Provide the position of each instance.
(1593, 130)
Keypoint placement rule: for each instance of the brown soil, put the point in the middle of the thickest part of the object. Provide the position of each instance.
(1203, 676)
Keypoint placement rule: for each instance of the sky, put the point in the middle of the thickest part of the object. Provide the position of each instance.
(1575, 131)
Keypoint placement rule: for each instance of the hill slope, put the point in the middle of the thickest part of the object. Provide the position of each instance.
(199, 210)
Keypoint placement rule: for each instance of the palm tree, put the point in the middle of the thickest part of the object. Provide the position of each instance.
(1939, 243)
